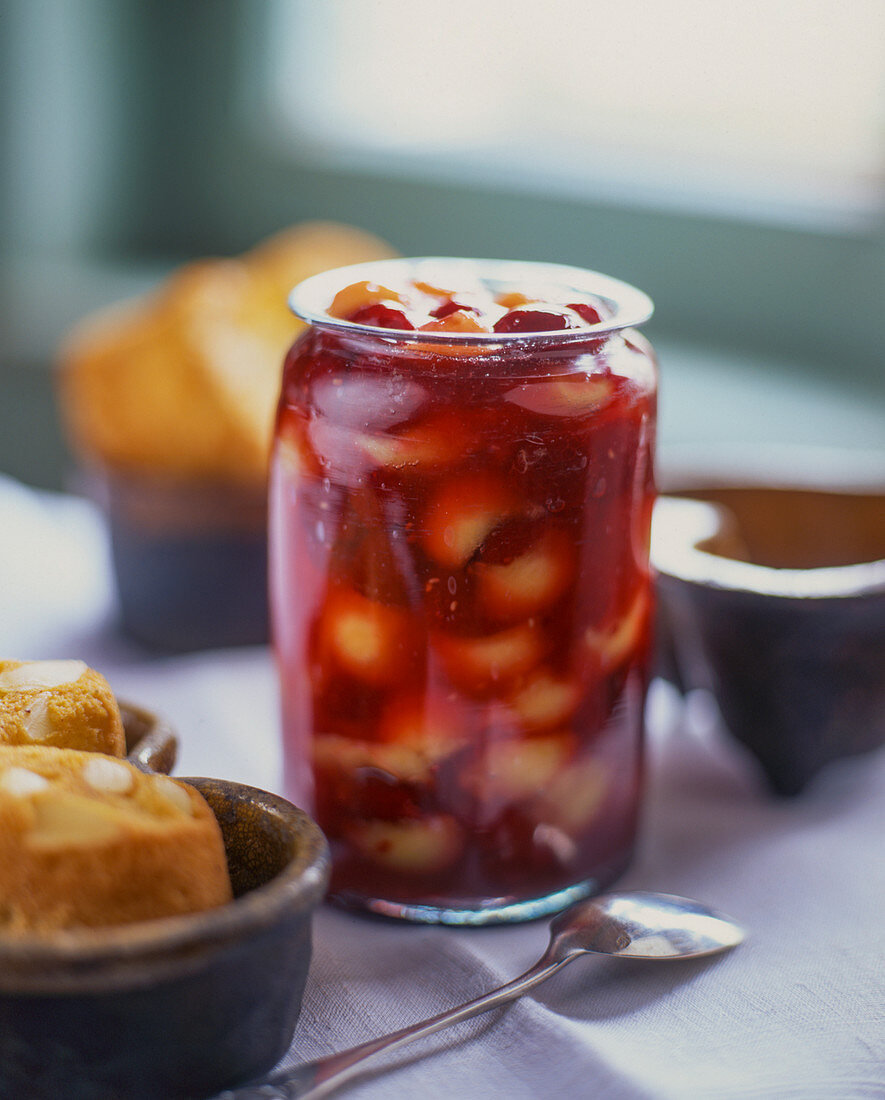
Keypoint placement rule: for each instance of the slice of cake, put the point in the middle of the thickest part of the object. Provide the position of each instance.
(64, 704)
(183, 382)
(87, 840)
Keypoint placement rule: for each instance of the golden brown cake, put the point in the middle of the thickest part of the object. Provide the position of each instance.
(184, 382)
(90, 841)
(63, 704)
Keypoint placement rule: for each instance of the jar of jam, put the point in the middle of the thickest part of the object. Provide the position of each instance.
(460, 503)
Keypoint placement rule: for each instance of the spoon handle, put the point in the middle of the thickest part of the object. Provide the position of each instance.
(316, 1079)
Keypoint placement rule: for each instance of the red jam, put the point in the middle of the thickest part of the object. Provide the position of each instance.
(461, 595)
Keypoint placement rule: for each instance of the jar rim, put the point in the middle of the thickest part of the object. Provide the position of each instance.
(629, 306)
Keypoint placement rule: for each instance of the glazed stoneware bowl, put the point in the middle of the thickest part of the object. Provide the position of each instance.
(771, 583)
(180, 1007)
(151, 743)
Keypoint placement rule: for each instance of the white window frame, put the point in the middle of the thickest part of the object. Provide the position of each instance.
(651, 179)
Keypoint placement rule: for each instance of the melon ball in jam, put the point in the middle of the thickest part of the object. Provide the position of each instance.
(461, 495)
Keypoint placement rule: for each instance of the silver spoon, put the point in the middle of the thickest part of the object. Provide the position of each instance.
(637, 925)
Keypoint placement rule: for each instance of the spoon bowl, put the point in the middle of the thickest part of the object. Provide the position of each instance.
(642, 925)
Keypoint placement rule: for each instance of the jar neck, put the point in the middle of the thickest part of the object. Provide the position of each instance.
(528, 356)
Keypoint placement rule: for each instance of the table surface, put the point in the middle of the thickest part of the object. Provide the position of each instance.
(797, 1011)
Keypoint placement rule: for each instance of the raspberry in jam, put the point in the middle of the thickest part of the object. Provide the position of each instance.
(461, 495)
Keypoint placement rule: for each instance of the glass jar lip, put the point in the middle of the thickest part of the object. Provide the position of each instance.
(629, 306)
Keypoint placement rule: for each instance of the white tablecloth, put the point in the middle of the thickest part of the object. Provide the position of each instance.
(798, 1011)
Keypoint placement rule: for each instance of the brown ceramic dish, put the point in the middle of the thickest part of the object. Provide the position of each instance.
(176, 1008)
(772, 596)
(151, 743)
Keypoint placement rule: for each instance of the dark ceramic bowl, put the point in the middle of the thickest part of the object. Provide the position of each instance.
(176, 1008)
(772, 596)
(190, 559)
(151, 743)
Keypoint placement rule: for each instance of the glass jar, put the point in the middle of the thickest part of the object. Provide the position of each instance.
(460, 594)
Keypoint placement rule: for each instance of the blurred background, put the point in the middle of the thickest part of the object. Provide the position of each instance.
(728, 159)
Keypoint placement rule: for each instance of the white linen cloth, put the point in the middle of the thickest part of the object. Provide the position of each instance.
(798, 1011)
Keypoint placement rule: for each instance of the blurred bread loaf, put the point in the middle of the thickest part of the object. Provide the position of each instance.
(169, 403)
(183, 383)
(63, 704)
(90, 841)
